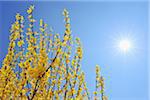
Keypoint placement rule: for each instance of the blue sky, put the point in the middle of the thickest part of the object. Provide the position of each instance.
(99, 25)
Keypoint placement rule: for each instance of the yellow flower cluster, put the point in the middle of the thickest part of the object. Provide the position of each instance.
(41, 66)
(99, 85)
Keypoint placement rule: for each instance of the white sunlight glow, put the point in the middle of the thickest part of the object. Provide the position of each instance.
(124, 45)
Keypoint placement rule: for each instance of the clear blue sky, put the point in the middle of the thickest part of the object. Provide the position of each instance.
(98, 24)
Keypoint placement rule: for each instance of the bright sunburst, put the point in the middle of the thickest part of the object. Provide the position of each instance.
(124, 45)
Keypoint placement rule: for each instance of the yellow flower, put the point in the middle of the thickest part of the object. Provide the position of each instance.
(67, 25)
(20, 43)
(29, 11)
(73, 91)
(18, 17)
(68, 32)
(33, 40)
(97, 69)
(65, 13)
(30, 49)
(30, 16)
(66, 38)
(79, 52)
(17, 27)
(23, 91)
(32, 20)
(31, 8)
(21, 65)
(64, 43)
(36, 71)
(57, 62)
(105, 98)
(41, 22)
(95, 93)
(32, 72)
(42, 30)
(12, 44)
(67, 61)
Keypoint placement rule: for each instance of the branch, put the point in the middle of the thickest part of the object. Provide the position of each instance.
(35, 90)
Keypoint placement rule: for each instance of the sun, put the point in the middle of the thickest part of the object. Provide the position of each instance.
(124, 45)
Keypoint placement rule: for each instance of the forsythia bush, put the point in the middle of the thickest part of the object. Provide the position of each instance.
(42, 66)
